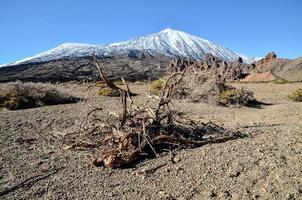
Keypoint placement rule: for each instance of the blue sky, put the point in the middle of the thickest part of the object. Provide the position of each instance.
(253, 27)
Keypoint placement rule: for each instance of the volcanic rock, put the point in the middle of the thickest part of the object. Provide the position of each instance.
(211, 67)
(269, 58)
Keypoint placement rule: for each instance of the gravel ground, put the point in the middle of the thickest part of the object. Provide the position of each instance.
(265, 165)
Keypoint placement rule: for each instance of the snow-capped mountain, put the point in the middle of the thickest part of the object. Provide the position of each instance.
(177, 43)
(167, 42)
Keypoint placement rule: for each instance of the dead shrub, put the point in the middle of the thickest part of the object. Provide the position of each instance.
(18, 95)
(197, 86)
(214, 91)
(135, 131)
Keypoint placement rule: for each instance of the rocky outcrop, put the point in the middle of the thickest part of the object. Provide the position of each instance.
(213, 67)
(267, 69)
(270, 63)
(269, 58)
(179, 64)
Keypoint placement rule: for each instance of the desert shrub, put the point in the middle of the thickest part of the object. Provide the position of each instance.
(109, 92)
(15, 101)
(118, 82)
(234, 96)
(296, 95)
(18, 95)
(101, 84)
(281, 81)
(157, 86)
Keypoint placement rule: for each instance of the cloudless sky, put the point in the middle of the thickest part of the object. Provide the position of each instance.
(250, 27)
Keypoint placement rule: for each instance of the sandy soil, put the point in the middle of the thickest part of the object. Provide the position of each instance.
(265, 165)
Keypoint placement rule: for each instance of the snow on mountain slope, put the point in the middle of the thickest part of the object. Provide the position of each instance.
(63, 51)
(178, 43)
(168, 42)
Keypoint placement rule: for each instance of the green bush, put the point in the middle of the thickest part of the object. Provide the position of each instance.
(109, 92)
(296, 95)
(231, 95)
(16, 102)
(101, 84)
(119, 82)
(234, 96)
(157, 86)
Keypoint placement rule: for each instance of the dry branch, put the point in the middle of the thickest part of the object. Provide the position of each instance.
(109, 83)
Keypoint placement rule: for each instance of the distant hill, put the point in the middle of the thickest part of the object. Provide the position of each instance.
(290, 70)
(79, 69)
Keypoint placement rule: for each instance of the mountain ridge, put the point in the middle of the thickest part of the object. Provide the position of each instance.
(168, 42)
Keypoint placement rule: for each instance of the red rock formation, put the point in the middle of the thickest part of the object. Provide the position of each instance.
(271, 57)
(260, 77)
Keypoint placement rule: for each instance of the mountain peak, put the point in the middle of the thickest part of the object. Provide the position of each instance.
(167, 30)
(170, 31)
